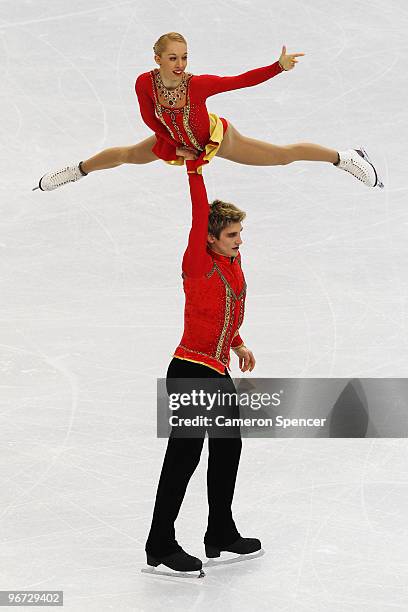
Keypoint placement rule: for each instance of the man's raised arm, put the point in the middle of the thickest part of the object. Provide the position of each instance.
(196, 260)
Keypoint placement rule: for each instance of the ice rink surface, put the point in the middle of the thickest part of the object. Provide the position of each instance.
(92, 302)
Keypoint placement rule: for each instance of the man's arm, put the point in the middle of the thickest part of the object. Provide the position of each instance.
(245, 356)
(237, 341)
(196, 260)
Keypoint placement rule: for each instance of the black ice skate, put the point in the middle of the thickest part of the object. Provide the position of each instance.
(179, 561)
(242, 546)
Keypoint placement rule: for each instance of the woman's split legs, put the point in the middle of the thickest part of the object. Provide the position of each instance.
(140, 153)
(243, 150)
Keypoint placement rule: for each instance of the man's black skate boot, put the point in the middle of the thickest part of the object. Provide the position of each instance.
(179, 561)
(242, 546)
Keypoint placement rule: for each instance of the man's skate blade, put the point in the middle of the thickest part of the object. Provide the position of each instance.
(174, 574)
(231, 558)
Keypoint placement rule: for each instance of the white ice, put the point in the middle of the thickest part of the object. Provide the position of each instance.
(92, 302)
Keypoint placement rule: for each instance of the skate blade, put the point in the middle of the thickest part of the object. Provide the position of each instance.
(379, 182)
(153, 571)
(34, 188)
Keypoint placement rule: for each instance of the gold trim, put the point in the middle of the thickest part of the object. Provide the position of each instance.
(227, 314)
(158, 106)
(211, 272)
(176, 162)
(186, 123)
(196, 352)
(234, 348)
(216, 138)
(172, 114)
(241, 314)
(224, 280)
(200, 362)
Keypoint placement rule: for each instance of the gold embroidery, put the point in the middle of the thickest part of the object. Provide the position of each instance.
(211, 272)
(172, 114)
(200, 353)
(186, 123)
(226, 283)
(234, 348)
(185, 110)
(240, 316)
(158, 107)
(226, 321)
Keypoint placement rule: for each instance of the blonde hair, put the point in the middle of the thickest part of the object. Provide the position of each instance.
(161, 43)
(221, 215)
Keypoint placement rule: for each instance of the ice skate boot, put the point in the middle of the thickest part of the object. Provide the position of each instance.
(179, 561)
(357, 163)
(57, 178)
(242, 546)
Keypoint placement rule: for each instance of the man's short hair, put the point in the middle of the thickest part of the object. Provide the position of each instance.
(221, 215)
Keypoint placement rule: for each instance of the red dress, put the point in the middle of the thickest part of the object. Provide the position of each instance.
(214, 287)
(190, 124)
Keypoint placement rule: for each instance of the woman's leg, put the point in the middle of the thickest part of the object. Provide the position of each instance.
(140, 153)
(243, 150)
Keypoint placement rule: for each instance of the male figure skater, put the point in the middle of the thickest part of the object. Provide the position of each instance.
(215, 288)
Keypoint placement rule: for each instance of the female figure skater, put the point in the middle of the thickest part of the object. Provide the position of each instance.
(173, 105)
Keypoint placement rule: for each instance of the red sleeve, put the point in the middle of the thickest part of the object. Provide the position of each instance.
(147, 108)
(196, 260)
(237, 341)
(206, 85)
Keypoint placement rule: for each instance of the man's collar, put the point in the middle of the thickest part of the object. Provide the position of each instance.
(222, 258)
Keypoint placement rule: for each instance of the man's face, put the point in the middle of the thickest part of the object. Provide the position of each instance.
(229, 241)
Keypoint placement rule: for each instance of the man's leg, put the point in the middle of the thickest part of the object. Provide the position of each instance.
(223, 460)
(180, 461)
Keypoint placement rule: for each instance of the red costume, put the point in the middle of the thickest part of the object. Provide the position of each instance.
(189, 125)
(214, 287)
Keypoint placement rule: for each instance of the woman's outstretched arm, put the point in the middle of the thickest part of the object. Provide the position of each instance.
(206, 85)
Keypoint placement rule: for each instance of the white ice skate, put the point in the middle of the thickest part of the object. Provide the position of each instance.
(57, 178)
(357, 162)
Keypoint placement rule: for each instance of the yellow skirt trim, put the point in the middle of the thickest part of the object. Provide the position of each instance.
(211, 148)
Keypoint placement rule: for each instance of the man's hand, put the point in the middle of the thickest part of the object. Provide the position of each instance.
(246, 358)
(288, 61)
(187, 153)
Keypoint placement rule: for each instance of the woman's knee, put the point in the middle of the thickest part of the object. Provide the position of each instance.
(284, 155)
(140, 153)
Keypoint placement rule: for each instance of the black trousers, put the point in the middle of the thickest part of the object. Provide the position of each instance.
(181, 459)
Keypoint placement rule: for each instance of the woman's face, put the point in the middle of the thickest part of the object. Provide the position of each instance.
(172, 61)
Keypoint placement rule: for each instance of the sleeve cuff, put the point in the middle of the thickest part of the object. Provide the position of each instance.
(237, 341)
